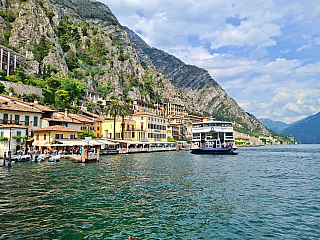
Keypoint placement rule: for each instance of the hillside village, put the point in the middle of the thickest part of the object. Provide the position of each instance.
(30, 124)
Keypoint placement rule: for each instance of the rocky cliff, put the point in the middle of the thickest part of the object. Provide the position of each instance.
(84, 39)
(197, 84)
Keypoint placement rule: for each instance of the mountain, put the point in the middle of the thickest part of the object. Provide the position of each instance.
(276, 126)
(306, 130)
(82, 39)
(197, 84)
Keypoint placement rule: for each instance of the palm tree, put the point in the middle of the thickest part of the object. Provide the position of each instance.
(113, 109)
(125, 111)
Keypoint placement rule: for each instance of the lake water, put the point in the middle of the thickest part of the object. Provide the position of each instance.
(270, 192)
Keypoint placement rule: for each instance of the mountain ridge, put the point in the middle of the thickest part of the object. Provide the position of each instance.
(195, 82)
(306, 130)
(75, 29)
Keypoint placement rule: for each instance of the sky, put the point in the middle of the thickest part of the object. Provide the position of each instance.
(264, 54)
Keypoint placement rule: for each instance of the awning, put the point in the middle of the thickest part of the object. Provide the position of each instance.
(106, 142)
(71, 142)
(40, 143)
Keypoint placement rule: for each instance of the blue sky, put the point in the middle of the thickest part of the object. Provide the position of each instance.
(265, 54)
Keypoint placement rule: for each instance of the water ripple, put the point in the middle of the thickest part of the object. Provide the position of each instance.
(262, 193)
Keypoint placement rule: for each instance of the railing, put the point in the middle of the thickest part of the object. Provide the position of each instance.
(150, 149)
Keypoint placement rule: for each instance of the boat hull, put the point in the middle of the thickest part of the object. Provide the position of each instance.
(230, 151)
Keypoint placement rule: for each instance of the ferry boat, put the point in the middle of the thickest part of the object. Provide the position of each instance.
(213, 137)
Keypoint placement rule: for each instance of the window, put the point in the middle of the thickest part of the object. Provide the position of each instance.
(59, 136)
(26, 120)
(2, 134)
(5, 118)
(72, 136)
(16, 119)
(44, 136)
(18, 134)
(141, 118)
(35, 121)
(196, 135)
(37, 137)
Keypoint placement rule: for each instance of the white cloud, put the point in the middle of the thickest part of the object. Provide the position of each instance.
(245, 57)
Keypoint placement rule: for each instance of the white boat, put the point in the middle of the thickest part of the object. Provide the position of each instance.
(213, 137)
(39, 158)
(21, 157)
(55, 157)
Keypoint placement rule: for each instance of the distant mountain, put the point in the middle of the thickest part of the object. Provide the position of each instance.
(276, 126)
(306, 130)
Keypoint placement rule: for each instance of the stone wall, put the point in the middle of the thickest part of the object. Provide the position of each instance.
(21, 88)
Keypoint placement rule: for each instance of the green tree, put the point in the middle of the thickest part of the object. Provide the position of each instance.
(41, 50)
(49, 96)
(12, 78)
(53, 83)
(125, 110)
(72, 60)
(3, 74)
(170, 139)
(100, 104)
(75, 87)
(86, 133)
(62, 99)
(1, 88)
(90, 106)
(21, 76)
(113, 109)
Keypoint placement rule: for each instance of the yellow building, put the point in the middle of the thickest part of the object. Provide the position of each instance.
(46, 137)
(176, 131)
(130, 130)
(154, 127)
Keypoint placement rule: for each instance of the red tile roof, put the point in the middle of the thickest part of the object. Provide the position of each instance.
(13, 126)
(9, 106)
(56, 128)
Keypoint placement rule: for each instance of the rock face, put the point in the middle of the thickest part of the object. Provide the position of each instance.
(196, 83)
(84, 37)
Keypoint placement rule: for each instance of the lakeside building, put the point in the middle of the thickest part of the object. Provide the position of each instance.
(173, 109)
(130, 131)
(45, 138)
(139, 106)
(242, 139)
(10, 60)
(155, 126)
(61, 119)
(12, 137)
(13, 113)
(176, 131)
(96, 126)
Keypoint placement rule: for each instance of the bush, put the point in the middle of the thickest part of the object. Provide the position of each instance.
(12, 78)
(2, 87)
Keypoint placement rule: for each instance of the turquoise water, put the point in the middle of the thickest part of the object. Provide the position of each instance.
(262, 193)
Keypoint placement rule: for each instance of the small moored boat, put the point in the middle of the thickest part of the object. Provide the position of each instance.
(21, 157)
(55, 157)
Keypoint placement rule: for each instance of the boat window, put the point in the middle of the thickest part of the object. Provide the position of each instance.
(198, 125)
(212, 124)
(206, 124)
(218, 124)
(229, 134)
(196, 135)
